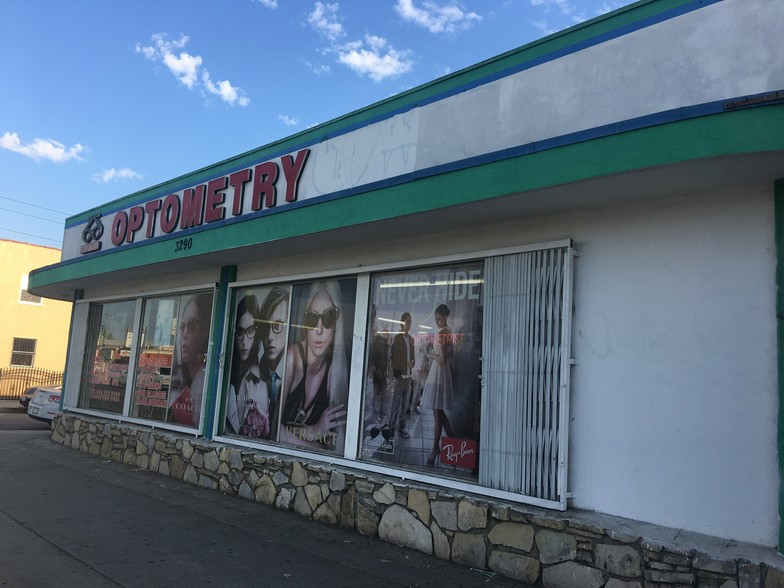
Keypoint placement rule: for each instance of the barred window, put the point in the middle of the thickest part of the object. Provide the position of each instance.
(23, 352)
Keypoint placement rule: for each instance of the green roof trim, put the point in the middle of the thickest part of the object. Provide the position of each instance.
(621, 21)
(742, 131)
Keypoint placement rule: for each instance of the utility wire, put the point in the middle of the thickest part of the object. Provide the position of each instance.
(33, 216)
(36, 206)
(31, 235)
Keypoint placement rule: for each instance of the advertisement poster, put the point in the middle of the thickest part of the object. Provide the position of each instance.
(190, 359)
(258, 361)
(315, 387)
(423, 386)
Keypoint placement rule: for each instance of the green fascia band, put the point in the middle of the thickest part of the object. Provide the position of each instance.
(581, 33)
(730, 133)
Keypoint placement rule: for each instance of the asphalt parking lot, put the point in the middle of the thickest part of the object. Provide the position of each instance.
(69, 519)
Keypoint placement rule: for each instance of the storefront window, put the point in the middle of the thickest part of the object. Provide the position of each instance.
(315, 388)
(155, 359)
(422, 391)
(289, 368)
(186, 391)
(258, 361)
(108, 352)
(422, 399)
(170, 357)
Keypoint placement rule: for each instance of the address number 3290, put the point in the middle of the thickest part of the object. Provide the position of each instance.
(183, 244)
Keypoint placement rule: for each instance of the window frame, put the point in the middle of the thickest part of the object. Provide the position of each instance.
(71, 400)
(352, 448)
(30, 354)
(357, 367)
(457, 307)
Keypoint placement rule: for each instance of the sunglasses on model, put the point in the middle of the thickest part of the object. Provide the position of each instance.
(328, 318)
(190, 326)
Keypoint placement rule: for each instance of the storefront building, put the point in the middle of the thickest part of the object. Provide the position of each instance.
(546, 280)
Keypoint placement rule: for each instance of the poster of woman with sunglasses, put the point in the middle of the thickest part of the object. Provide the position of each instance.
(315, 388)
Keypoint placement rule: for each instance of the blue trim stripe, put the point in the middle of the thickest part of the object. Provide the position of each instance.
(557, 54)
(647, 121)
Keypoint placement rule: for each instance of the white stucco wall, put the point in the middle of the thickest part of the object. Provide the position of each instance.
(674, 399)
(674, 402)
(75, 359)
(154, 284)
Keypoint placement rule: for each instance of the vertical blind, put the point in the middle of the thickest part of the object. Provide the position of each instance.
(525, 397)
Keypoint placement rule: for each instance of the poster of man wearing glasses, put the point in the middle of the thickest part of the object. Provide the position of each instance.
(257, 364)
(288, 372)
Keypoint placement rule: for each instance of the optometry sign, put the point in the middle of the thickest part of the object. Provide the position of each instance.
(91, 235)
(249, 190)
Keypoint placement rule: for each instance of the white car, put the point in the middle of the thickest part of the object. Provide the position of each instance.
(45, 403)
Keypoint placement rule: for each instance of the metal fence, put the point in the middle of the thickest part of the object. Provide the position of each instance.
(14, 380)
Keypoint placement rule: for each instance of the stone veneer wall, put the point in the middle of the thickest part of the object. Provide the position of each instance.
(533, 545)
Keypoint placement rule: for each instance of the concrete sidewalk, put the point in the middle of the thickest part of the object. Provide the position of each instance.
(69, 519)
(11, 406)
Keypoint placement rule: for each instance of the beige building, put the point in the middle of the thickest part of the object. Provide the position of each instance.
(35, 330)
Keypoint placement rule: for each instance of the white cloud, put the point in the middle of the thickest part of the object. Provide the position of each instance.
(372, 56)
(324, 19)
(228, 93)
(148, 52)
(268, 3)
(609, 7)
(287, 120)
(113, 174)
(184, 66)
(188, 69)
(544, 27)
(42, 149)
(564, 6)
(375, 58)
(437, 19)
(318, 69)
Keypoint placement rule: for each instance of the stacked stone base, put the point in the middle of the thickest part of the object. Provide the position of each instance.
(533, 545)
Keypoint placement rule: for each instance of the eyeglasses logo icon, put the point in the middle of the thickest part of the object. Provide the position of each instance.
(91, 235)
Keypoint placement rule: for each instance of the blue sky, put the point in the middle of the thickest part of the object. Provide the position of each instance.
(103, 98)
